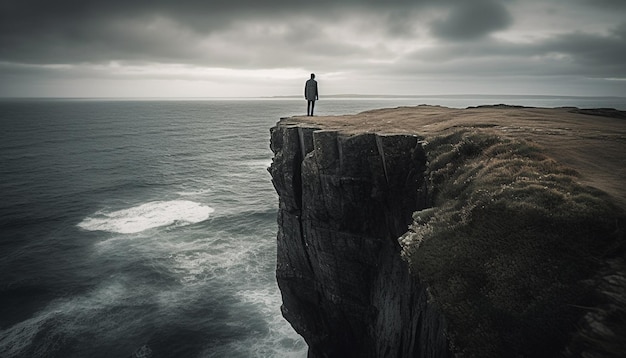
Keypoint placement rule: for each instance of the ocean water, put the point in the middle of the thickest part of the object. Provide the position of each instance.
(148, 228)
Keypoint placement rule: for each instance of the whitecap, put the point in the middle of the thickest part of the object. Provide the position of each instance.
(147, 216)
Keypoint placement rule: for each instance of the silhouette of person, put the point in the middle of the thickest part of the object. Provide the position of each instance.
(311, 94)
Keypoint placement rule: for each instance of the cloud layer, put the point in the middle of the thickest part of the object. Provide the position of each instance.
(385, 43)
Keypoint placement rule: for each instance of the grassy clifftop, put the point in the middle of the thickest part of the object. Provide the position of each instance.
(523, 244)
(513, 247)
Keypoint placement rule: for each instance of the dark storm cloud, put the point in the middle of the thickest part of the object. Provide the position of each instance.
(472, 19)
(70, 31)
(76, 31)
(604, 4)
(600, 55)
(352, 39)
(574, 54)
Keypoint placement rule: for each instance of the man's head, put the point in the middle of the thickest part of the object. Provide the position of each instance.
(312, 75)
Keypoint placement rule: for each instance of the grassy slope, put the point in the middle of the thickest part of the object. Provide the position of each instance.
(512, 246)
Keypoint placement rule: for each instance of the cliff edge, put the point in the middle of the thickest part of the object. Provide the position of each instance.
(437, 232)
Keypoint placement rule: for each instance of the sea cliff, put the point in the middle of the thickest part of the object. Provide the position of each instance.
(434, 232)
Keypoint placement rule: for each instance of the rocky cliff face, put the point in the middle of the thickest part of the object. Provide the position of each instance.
(519, 250)
(344, 201)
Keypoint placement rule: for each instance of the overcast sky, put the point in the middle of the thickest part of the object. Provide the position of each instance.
(224, 48)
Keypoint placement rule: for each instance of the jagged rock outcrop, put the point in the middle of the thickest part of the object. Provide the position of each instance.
(344, 201)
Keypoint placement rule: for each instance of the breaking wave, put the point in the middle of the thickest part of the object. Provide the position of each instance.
(147, 216)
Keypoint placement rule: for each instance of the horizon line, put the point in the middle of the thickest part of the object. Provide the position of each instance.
(342, 95)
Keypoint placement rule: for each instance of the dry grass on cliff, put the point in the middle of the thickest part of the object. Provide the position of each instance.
(594, 145)
(511, 245)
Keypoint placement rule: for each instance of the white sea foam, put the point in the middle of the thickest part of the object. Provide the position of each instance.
(63, 318)
(280, 340)
(147, 216)
(259, 163)
(203, 260)
(14, 340)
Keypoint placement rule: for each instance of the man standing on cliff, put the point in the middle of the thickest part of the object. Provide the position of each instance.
(311, 95)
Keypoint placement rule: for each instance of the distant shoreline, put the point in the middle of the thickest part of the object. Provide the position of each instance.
(374, 96)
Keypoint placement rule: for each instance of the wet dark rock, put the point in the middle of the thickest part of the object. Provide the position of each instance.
(344, 201)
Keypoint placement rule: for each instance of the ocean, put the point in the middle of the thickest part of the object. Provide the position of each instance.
(147, 228)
